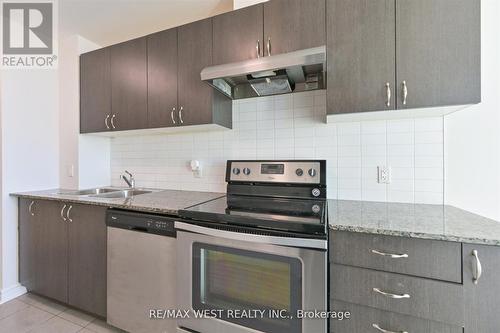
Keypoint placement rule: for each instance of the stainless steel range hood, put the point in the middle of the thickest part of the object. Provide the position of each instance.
(273, 75)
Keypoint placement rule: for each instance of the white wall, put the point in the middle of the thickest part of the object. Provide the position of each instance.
(87, 157)
(30, 158)
(291, 127)
(472, 136)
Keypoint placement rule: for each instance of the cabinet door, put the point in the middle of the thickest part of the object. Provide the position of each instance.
(129, 85)
(51, 260)
(28, 224)
(481, 299)
(438, 52)
(195, 53)
(236, 35)
(162, 79)
(361, 55)
(294, 25)
(95, 91)
(87, 259)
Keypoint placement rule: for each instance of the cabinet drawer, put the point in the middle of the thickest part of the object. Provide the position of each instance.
(438, 260)
(363, 319)
(423, 298)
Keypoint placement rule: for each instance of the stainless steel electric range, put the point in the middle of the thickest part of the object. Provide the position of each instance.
(257, 258)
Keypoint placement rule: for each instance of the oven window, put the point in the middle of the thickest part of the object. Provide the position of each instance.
(233, 279)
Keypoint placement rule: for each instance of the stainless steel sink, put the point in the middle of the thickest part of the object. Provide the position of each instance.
(122, 194)
(92, 191)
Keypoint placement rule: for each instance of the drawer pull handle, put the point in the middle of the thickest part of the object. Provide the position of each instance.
(30, 208)
(478, 269)
(62, 213)
(392, 255)
(395, 296)
(376, 326)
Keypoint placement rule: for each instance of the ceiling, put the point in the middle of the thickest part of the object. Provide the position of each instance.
(107, 22)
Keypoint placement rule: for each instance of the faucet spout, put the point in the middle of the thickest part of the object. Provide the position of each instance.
(130, 181)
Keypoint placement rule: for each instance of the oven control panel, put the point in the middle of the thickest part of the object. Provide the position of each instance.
(300, 172)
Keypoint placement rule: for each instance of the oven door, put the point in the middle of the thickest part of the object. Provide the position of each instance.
(248, 282)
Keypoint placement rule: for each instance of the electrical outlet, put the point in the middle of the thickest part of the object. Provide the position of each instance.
(384, 174)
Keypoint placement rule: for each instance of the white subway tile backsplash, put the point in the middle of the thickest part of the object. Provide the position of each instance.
(429, 124)
(292, 127)
(400, 126)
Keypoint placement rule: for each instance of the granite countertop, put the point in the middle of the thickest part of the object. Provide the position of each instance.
(160, 201)
(440, 222)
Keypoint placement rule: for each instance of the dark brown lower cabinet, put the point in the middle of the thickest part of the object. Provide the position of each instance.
(87, 259)
(28, 242)
(62, 252)
(51, 257)
(481, 294)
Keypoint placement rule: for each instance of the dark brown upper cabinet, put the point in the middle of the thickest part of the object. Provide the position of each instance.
(291, 25)
(95, 91)
(361, 70)
(238, 35)
(129, 85)
(162, 79)
(198, 103)
(398, 54)
(438, 52)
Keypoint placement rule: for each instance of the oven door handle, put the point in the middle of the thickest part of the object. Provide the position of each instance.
(263, 239)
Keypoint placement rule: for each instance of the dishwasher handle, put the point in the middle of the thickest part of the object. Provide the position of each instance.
(320, 244)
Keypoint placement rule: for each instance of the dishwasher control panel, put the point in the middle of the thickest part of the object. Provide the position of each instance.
(141, 222)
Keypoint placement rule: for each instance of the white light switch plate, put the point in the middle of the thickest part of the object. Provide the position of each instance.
(384, 174)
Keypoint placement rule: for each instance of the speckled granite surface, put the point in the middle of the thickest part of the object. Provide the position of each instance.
(161, 202)
(413, 220)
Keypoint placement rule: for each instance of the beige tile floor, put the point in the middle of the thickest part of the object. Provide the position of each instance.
(35, 314)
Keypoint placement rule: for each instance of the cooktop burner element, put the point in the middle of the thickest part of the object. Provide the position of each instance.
(280, 196)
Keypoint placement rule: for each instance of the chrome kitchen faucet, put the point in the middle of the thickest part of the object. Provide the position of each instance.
(130, 181)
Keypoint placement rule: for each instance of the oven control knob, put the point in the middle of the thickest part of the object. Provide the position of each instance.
(312, 172)
(236, 171)
(299, 172)
(316, 192)
(316, 209)
(246, 171)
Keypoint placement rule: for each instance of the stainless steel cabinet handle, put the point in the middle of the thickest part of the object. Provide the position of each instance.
(390, 295)
(257, 48)
(180, 115)
(62, 213)
(67, 213)
(30, 208)
(392, 255)
(478, 268)
(172, 115)
(106, 121)
(405, 92)
(376, 326)
(113, 121)
(388, 92)
(268, 46)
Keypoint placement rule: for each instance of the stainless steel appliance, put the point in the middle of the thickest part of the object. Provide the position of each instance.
(261, 248)
(141, 271)
(275, 74)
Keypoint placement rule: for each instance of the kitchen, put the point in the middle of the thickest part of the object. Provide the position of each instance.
(329, 156)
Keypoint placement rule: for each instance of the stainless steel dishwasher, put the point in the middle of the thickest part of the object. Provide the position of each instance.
(141, 271)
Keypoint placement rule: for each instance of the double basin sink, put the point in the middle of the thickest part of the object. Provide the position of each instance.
(109, 193)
